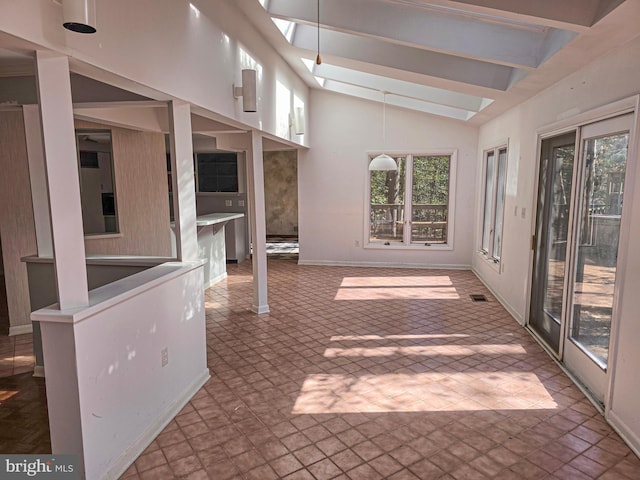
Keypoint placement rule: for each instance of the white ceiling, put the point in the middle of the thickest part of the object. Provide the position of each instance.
(464, 59)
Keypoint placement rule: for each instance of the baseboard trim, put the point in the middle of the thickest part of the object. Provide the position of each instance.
(20, 330)
(426, 266)
(38, 371)
(512, 311)
(215, 280)
(260, 309)
(630, 438)
(133, 452)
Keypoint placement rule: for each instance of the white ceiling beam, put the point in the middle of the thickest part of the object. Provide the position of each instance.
(420, 106)
(571, 14)
(424, 62)
(394, 86)
(437, 29)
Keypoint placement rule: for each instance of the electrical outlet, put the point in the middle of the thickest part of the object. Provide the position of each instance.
(165, 356)
(228, 203)
(241, 203)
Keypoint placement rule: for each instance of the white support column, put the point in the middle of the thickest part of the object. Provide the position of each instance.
(184, 194)
(255, 181)
(38, 177)
(58, 135)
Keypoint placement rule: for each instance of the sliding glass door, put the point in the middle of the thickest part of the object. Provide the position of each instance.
(579, 213)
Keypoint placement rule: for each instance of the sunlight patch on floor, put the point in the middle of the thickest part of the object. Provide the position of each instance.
(422, 392)
(425, 350)
(398, 293)
(423, 281)
(6, 395)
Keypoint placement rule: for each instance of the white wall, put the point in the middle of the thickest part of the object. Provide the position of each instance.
(17, 228)
(170, 47)
(610, 78)
(332, 179)
(108, 386)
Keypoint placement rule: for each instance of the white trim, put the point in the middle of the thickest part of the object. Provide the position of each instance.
(215, 280)
(20, 329)
(425, 266)
(490, 261)
(131, 454)
(38, 371)
(507, 306)
(629, 436)
(101, 236)
(405, 244)
(260, 309)
(624, 244)
(117, 292)
(625, 105)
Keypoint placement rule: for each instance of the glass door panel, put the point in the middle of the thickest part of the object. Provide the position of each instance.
(602, 190)
(598, 217)
(552, 231)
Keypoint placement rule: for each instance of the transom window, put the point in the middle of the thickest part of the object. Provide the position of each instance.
(495, 178)
(412, 205)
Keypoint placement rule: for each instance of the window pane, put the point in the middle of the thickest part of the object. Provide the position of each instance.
(489, 190)
(97, 183)
(500, 194)
(217, 172)
(387, 204)
(430, 197)
(599, 235)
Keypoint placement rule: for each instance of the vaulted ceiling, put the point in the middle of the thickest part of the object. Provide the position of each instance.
(464, 59)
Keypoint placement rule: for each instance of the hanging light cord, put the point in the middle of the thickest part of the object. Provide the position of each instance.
(318, 59)
(384, 120)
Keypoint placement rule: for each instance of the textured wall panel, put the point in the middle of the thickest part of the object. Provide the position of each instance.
(17, 229)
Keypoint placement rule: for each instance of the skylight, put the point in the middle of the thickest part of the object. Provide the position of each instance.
(286, 27)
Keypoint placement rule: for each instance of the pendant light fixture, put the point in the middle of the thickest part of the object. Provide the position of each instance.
(79, 15)
(318, 59)
(383, 161)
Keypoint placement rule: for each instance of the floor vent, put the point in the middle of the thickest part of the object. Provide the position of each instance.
(478, 298)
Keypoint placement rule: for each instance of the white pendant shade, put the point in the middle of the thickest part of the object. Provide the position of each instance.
(383, 162)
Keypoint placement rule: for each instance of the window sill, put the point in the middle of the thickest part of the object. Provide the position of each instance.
(495, 264)
(414, 246)
(101, 236)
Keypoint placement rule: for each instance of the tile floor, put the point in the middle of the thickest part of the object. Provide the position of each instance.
(16, 355)
(362, 373)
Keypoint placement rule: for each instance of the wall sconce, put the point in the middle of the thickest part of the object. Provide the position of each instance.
(247, 91)
(297, 120)
(79, 15)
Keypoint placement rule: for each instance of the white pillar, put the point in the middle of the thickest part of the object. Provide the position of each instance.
(58, 136)
(257, 216)
(63, 184)
(184, 194)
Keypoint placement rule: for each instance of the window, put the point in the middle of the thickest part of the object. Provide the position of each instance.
(217, 172)
(412, 206)
(97, 182)
(495, 177)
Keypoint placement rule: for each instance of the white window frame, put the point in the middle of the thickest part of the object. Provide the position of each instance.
(490, 253)
(405, 243)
